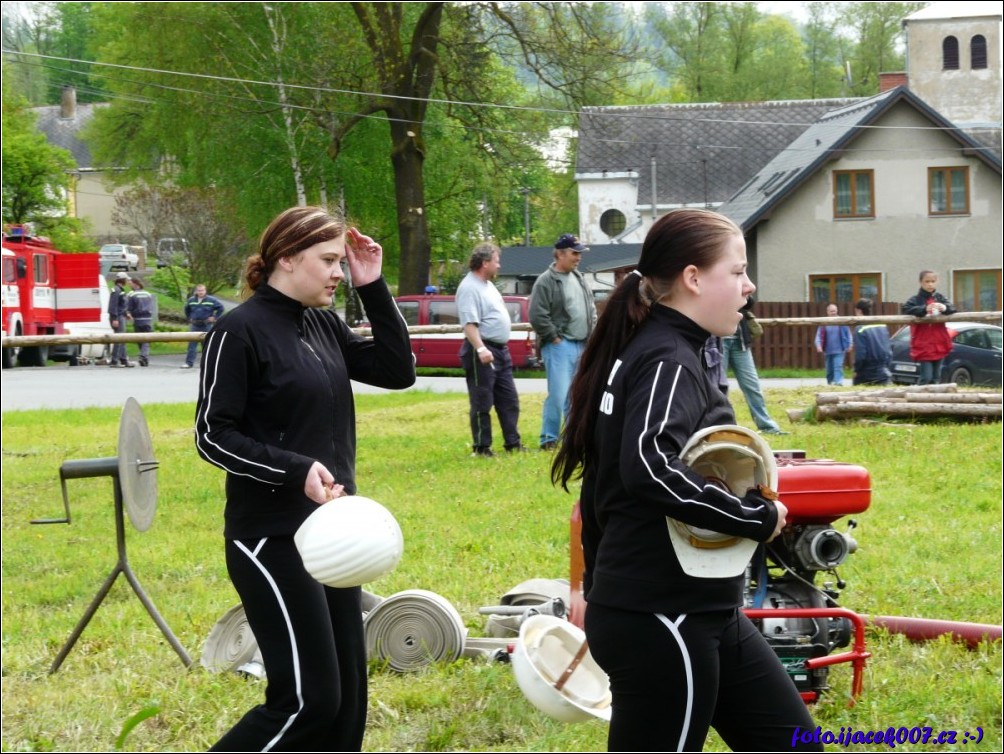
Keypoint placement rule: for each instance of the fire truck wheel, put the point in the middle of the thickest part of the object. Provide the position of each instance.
(10, 357)
(34, 356)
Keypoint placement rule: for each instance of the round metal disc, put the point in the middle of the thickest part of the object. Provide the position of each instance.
(137, 467)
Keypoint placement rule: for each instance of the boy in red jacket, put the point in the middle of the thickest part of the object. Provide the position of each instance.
(931, 342)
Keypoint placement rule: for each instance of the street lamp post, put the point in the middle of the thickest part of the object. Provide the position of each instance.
(525, 191)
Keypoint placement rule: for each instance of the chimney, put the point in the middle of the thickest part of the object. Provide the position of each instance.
(68, 105)
(889, 81)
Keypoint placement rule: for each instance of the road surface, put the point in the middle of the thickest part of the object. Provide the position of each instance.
(62, 386)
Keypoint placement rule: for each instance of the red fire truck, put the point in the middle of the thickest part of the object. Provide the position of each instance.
(44, 290)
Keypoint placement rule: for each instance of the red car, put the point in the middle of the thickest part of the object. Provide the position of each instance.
(443, 349)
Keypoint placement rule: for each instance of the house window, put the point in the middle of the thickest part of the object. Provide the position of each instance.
(948, 191)
(978, 52)
(845, 289)
(950, 54)
(613, 222)
(977, 290)
(852, 193)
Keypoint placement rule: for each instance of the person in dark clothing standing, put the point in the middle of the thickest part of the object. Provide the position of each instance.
(201, 311)
(275, 411)
(118, 310)
(680, 653)
(872, 353)
(140, 302)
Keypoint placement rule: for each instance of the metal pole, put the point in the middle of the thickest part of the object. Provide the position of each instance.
(526, 215)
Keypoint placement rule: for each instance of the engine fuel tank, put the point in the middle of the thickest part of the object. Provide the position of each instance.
(819, 491)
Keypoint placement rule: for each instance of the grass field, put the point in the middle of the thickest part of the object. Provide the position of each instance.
(930, 546)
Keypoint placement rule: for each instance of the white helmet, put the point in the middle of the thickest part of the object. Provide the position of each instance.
(349, 541)
(552, 675)
(734, 458)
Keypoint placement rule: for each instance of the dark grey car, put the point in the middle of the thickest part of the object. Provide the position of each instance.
(975, 358)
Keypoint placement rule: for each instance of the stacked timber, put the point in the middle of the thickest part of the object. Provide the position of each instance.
(913, 402)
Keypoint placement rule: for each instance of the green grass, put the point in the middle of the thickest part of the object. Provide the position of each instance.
(930, 546)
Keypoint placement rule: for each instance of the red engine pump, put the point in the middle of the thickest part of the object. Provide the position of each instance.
(787, 593)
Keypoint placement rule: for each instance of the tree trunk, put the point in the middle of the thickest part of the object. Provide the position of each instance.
(409, 190)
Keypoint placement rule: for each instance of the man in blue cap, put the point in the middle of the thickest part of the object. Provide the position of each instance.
(563, 314)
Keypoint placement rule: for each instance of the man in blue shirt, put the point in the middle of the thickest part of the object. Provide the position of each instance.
(833, 341)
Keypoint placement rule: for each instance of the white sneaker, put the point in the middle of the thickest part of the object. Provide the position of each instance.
(186, 366)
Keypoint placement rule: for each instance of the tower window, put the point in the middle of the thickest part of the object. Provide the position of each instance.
(978, 52)
(612, 222)
(950, 54)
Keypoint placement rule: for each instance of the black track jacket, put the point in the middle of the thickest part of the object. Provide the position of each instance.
(274, 396)
(657, 396)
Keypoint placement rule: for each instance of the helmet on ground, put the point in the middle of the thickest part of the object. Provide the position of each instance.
(735, 459)
(349, 541)
(556, 672)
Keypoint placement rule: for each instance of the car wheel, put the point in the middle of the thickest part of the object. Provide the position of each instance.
(961, 377)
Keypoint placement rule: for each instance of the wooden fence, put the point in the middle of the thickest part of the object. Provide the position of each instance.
(787, 341)
(792, 346)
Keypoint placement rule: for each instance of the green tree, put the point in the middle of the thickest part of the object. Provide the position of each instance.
(728, 52)
(823, 52)
(352, 73)
(217, 245)
(36, 175)
(877, 43)
(56, 29)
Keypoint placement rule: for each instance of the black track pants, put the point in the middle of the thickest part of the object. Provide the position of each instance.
(311, 640)
(674, 676)
(491, 385)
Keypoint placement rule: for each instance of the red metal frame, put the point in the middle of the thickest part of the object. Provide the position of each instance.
(856, 656)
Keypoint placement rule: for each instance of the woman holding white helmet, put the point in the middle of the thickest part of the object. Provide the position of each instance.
(275, 411)
(680, 654)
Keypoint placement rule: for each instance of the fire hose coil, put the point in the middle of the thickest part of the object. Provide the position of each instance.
(230, 643)
(412, 629)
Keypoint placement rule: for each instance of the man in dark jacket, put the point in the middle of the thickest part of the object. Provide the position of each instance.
(563, 314)
(872, 352)
(201, 311)
(118, 309)
(140, 305)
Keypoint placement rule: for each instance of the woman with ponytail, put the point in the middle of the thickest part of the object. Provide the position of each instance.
(680, 653)
(275, 412)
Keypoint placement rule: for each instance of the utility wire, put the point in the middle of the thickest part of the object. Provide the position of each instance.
(605, 112)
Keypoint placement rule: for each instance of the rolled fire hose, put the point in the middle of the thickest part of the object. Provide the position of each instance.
(412, 629)
(231, 645)
(231, 642)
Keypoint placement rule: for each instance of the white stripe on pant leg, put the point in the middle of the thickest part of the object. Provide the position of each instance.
(674, 629)
(292, 639)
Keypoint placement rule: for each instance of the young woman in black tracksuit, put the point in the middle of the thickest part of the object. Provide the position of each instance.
(275, 411)
(680, 654)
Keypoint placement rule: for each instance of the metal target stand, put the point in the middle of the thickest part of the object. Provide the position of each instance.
(134, 471)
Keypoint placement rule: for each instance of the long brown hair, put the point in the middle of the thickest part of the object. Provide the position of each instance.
(291, 232)
(677, 240)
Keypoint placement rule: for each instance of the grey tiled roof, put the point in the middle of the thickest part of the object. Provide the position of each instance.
(530, 261)
(65, 132)
(810, 151)
(704, 152)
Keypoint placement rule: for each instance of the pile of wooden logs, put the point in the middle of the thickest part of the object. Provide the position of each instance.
(911, 402)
